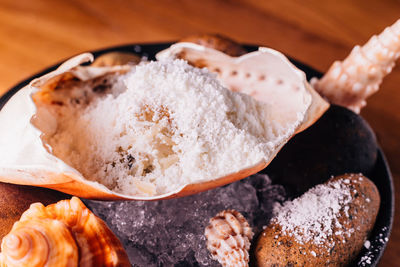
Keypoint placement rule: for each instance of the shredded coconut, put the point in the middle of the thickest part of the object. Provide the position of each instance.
(164, 125)
(314, 217)
(313, 253)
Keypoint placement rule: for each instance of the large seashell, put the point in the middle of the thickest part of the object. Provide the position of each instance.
(228, 238)
(351, 81)
(27, 159)
(61, 234)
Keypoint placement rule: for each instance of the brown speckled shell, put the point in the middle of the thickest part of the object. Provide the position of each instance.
(115, 59)
(217, 42)
(273, 248)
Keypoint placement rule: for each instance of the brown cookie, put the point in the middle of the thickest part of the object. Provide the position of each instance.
(319, 231)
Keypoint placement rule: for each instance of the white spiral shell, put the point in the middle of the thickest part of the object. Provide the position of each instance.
(351, 81)
(228, 238)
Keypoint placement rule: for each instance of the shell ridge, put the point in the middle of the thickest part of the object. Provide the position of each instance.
(228, 238)
(362, 72)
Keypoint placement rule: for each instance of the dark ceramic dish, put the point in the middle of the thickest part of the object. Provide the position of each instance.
(379, 173)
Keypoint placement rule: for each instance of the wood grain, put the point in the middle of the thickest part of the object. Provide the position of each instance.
(36, 34)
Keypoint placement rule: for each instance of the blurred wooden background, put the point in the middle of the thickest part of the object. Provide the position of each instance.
(37, 33)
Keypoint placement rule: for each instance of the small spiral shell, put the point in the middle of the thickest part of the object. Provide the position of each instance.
(350, 82)
(61, 234)
(228, 238)
(35, 246)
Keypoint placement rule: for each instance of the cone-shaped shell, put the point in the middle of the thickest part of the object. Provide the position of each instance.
(61, 234)
(350, 82)
(228, 238)
(26, 159)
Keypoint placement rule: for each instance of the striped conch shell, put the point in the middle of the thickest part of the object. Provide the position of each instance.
(228, 238)
(351, 81)
(61, 234)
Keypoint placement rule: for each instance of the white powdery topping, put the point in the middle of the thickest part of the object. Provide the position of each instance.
(171, 125)
(313, 253)
(314, 217)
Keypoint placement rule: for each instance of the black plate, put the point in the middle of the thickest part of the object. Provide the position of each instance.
(380, 174)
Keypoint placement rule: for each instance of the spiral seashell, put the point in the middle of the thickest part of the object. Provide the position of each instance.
(350, 82)
(61, 234)
(228, 238)
(22, 247)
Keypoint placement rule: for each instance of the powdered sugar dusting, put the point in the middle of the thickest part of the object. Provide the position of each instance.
(314, 217)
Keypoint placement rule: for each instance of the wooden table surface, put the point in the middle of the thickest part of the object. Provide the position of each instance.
(35, 34)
